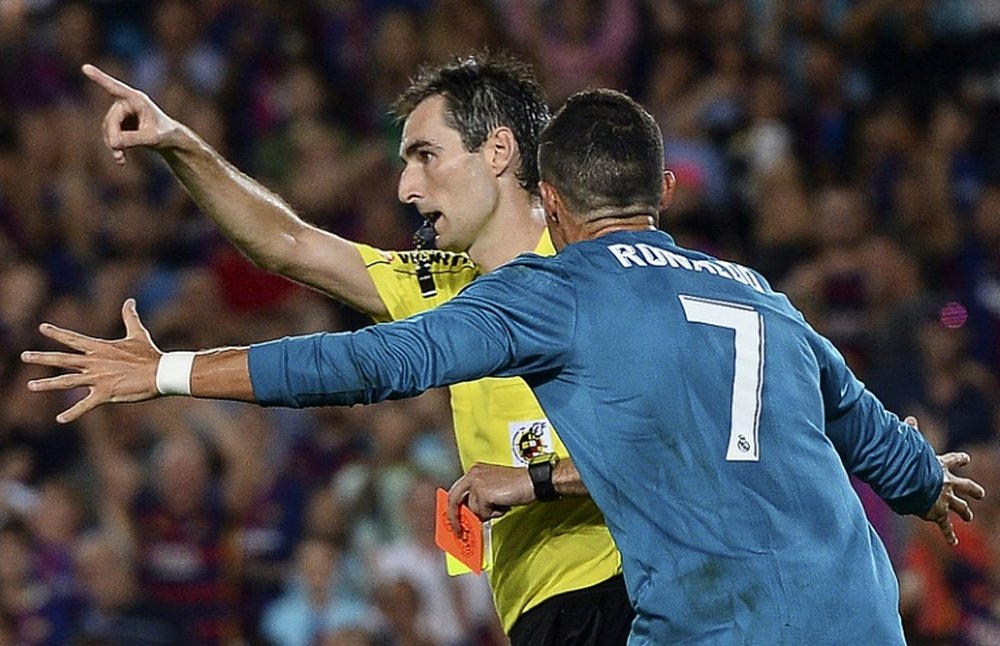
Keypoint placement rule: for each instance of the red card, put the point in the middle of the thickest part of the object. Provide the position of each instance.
(467, 546)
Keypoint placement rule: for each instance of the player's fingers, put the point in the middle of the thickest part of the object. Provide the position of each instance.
(955, 459)
(68, 381)
(54, 359)
(948, 530)
(967, 487)
(74, 340)
(912, 421)
(79, 408)
(130, 316)
(112, 85)
(960, 507)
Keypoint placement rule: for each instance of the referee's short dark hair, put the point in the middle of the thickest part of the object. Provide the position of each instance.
(482, 92)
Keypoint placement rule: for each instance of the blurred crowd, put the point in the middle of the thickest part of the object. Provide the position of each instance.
(846, 148)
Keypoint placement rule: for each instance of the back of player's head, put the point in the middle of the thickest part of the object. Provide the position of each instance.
(482, 92)
(603, 150)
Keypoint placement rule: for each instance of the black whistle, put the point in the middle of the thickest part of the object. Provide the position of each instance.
(424, 236)
(423, 239)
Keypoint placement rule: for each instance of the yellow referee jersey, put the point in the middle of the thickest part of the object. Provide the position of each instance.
(539, 550)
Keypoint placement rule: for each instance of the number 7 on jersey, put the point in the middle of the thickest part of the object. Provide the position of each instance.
(748, 324)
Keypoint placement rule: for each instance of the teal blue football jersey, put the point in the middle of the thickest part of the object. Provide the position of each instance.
(715, 429)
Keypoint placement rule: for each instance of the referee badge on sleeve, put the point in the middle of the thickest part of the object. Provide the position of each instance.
(529, 439)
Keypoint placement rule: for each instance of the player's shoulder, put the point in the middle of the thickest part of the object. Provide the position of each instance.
(532, 259)
(531, 263)
(526, 272)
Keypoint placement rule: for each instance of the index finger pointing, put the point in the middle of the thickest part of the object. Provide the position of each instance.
(111, 84)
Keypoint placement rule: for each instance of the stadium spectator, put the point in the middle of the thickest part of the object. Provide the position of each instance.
(116, 612)
(452, 610)
(179, 522)
(315, 603)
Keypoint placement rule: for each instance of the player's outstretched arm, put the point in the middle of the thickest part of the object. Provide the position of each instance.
(255, 219)
(129, 369)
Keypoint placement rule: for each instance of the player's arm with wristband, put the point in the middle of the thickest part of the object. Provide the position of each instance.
(133, 369)
(484, 331)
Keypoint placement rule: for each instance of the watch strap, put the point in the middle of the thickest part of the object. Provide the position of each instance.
(540, 470)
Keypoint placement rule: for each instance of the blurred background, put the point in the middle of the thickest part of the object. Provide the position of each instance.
(848, 149)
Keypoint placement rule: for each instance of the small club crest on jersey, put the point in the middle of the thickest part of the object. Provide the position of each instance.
(529, 439)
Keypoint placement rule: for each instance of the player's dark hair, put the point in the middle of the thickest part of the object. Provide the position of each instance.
(603, 150)
(482, 92)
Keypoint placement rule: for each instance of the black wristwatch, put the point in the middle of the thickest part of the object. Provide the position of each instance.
(540, 470)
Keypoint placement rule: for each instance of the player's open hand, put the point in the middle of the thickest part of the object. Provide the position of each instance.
(122, 370)
(954, 496)
(955, 492)
(133, 119)
(489, 490)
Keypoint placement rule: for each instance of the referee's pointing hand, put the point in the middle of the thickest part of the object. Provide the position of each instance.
(133, 119)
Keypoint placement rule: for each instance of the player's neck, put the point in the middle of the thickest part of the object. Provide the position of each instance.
(571, 230)
(515, 228)
(641, 222)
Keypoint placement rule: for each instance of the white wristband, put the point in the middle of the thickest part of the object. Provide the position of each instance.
(173, 373)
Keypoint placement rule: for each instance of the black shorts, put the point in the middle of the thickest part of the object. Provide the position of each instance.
(596, 616)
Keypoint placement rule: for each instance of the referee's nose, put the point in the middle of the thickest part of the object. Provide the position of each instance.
(409, 186)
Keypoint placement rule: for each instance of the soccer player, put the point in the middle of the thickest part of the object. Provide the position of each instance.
(469, 149)
(710, 423)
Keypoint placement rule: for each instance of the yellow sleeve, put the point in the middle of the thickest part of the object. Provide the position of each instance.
(405, 288)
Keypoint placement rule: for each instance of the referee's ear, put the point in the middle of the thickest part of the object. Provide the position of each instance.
(501, 150)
